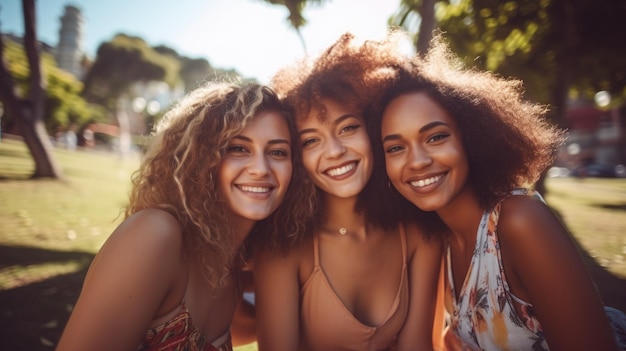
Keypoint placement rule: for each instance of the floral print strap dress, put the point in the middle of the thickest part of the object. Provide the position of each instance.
(180, 334)
(484, 317)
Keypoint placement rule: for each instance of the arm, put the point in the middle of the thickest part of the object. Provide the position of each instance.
(424, 267)
(277, 296)
(547, 264)
(126, 283)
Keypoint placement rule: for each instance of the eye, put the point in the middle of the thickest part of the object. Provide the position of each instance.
(438, 137)
(393, 149)
(309, 142)
(279, 153)
(349, 128)
(236, 148)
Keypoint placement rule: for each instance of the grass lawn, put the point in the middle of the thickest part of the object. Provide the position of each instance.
(50, 230)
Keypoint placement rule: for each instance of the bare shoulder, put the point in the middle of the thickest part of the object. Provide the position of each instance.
(527, 218)
(150, 238)
(529, 230)
(295, 263)
(151, 228)
(418, 240)
(143, 259)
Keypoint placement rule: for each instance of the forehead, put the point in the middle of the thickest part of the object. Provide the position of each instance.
(324, 115)
(414, 108)
(267, 125)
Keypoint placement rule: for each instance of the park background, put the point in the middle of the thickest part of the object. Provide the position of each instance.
(72, 131)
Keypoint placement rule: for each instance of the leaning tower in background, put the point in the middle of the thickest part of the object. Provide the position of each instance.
(69, 51)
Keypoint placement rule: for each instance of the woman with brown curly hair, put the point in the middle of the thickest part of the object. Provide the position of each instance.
(467, 146)
(363, 274)
(218, 167)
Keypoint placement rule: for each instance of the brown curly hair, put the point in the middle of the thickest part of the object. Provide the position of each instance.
(179, 171)
(507, 139)
(352, 74)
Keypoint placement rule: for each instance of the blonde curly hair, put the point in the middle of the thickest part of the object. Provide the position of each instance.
(179, 171)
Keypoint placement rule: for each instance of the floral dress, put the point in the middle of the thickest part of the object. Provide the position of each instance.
(484, 316)
(179, 334)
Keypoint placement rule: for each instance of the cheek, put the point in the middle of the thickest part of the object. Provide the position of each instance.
(285, 171)
(308, 161)
(392, 166)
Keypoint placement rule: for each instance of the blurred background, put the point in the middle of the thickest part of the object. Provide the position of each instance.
(83, 82)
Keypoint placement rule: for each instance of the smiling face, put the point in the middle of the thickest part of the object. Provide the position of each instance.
(255, 170)
(424, 154)
(336, 152)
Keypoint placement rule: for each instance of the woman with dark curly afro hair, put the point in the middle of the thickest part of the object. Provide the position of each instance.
(217, 169)
(465, 145)
(363, 275)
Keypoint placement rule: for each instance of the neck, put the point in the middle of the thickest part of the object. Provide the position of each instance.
(463, 216)
(341, 217)
(240, 229)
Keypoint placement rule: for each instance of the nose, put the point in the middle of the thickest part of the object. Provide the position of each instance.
(418, 158)
(259, 165)
(334, 148)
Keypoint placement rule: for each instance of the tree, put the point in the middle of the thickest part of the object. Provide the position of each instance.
(422, 12)
(296, 17)
(123, 61)
(556, 47)
(63, 105)
(28, 108)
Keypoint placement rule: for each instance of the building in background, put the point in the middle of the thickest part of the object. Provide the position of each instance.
(69, 52)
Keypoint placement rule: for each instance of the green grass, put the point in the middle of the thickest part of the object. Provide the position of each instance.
(594, 210)
(73, 215)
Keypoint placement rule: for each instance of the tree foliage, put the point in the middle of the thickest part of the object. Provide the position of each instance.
(123, 61)
(417, 17)
(63, 104)
(296, 13)
(558, 47)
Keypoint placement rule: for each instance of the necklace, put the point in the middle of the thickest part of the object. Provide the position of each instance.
(343, 230)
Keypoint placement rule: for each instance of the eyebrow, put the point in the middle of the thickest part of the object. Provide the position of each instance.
(425, 128)
(271, 142)
(337, 121)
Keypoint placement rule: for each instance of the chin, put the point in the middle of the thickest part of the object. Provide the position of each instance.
(422, 205)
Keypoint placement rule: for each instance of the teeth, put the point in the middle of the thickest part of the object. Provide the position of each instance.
(341, 170)
(424, 182)
(254, 189)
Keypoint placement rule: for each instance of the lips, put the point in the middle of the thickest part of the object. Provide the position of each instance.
(341, 170)
(256, 189)
(426, 181)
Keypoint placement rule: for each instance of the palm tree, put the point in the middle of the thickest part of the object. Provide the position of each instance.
(296, 18)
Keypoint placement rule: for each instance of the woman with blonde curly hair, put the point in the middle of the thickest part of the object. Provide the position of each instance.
(218, 167)
(363, 274)
(466, 145)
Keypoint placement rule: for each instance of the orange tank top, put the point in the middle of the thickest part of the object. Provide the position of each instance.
(327, 324)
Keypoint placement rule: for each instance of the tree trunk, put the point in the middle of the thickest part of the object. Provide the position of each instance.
(427, 26)
(28, 112)
(565, 56)
(38, 142)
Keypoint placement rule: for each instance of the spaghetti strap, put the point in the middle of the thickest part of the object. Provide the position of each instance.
(316, 251)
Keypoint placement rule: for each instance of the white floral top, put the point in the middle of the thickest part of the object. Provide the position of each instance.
(484, 316)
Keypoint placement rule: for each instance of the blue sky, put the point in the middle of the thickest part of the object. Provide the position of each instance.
(248, 35)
